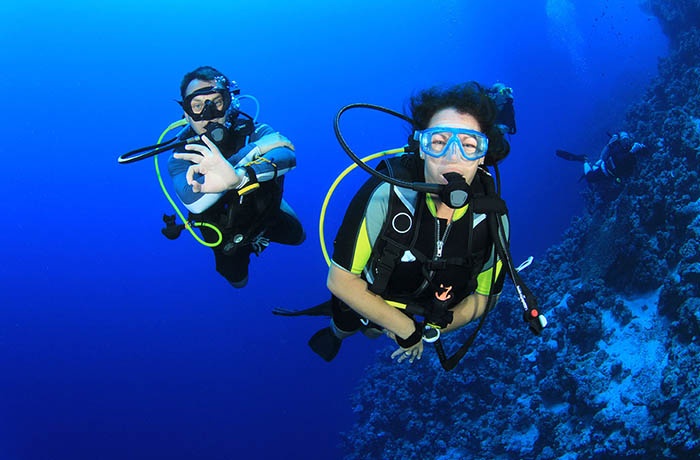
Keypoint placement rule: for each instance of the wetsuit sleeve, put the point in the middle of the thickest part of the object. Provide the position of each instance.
(485, 277)
(269, 166)
(361, 225)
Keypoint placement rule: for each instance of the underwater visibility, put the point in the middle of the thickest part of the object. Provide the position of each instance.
(353, 230)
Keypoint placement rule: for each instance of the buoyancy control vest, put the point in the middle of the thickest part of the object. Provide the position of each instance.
(399, 235)
(394, 241)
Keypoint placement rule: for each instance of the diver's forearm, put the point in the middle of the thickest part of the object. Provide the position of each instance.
(352, 290)
(469, 309)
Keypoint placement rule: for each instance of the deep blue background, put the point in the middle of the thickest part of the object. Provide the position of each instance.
(117, 343)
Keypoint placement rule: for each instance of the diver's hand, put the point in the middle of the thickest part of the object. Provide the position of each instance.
(410, 353)
(219, 174)
(272, 141)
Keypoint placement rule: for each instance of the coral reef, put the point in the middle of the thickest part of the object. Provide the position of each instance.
(616, 374)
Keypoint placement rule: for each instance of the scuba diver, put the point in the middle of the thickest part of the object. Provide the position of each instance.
(502, 95)
(242, 216)
(424, 251)
(617, 159)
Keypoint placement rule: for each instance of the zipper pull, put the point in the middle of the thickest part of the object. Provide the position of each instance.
(439, 245)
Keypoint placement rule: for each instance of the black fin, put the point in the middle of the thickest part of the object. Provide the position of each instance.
(571, 156)
(322, 309)
(325, 344)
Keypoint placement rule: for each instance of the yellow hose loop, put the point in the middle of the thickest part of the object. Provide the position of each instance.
(188, 225)
(332, 188)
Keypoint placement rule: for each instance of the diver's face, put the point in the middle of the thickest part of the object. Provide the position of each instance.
(215, 98)
(452, 160)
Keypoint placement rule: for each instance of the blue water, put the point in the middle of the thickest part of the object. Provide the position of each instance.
(117, 343)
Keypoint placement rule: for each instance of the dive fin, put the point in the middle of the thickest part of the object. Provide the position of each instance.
(322, 309)
(571, 156)
(325, 344)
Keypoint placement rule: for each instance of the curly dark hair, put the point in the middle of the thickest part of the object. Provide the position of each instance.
(204, 73)
(471, 98)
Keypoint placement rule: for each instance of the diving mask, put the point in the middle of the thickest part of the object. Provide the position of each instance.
(437, 141)
(207, 103)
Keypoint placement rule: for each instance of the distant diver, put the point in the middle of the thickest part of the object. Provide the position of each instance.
(617, 159)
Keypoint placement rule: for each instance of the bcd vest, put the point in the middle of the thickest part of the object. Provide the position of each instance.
(398, 240)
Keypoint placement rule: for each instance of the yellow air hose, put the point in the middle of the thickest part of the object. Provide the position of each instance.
(332, 188)
(188, 225)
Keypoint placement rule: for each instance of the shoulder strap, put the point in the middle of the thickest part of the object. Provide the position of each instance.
(403, 167)
(393, 240)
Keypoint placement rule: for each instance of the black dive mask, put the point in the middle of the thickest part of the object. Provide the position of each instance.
(200, 107)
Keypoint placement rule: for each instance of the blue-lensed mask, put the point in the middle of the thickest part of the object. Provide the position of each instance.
(438, 141)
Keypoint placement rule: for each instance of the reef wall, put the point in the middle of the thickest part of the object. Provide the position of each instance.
(616, 374)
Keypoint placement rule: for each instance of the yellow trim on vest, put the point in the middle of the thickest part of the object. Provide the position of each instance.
(399, 305)
(483, 279)
(458, 214)
(363, 250)
(248, 188)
